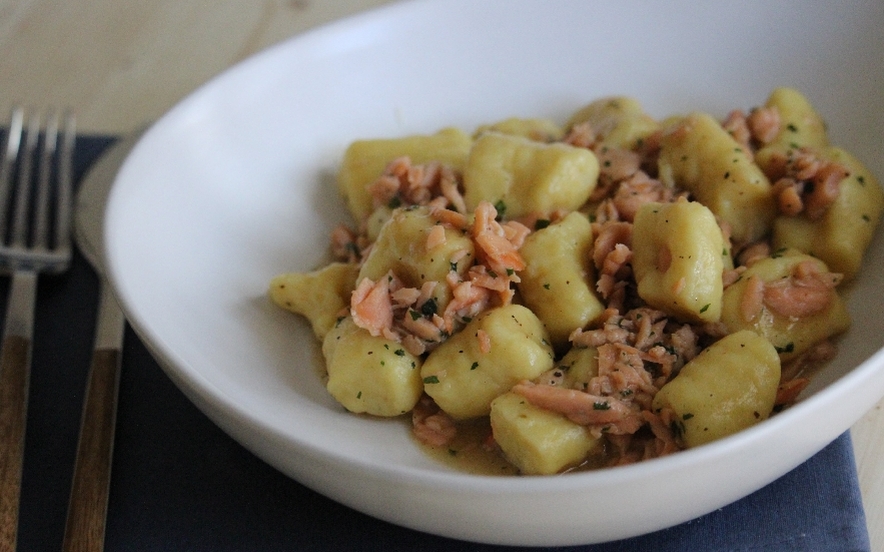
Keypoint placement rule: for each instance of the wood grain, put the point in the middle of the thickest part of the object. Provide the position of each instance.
(119, 66)
(87, 510)
(14, 379)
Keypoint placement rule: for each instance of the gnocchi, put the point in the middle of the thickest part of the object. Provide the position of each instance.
(730, 386)
(612, 289)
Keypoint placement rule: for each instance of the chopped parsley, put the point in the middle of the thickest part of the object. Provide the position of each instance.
(500, 207)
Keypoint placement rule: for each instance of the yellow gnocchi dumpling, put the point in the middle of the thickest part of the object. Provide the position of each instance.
(580, 365)
(557, 283)
(319, 296)
(404, 247)
(760, 301)
(730, 386)
(370, 374)
(800, 126)
(698, 154)
(678, 259)
(496, 350)
(840, 238)
(618, 121)
(539, 130)
(522, 176)
(537, 441)
(365, 161)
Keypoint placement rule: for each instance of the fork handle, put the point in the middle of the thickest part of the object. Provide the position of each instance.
(13, 413)
(15, 361)
(87, 509)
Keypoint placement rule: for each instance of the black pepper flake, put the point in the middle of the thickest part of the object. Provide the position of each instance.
(430, 307)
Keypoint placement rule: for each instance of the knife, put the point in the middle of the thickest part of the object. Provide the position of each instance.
(87, 508)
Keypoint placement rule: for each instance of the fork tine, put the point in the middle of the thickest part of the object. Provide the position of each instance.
(65, 184)
(11, 147)
(19, 230)
(40, 235)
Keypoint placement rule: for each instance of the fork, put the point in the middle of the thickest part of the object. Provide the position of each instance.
(35, 220)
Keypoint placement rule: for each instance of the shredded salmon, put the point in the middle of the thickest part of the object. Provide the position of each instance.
(752, 300)
(661, 424)
(431, 425)
(404, 183)
(436, 237)
(604, 415)
(738, 127)
(761, 126)
(635, 191)
(495, 250)
(764, 124)
(788, 391)
(804, 182)
(484, 341)
(371, 307)
(638, 349)
(581, 135)
(807, 291)
(347, 245)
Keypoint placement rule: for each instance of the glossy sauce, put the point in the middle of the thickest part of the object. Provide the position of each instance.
(472, 451)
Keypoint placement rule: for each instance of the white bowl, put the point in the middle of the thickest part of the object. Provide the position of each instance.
(235, 185)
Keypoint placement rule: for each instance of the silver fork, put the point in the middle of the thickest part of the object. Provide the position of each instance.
(35, 225)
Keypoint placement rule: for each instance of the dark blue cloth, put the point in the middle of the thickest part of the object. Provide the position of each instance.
(181, 484)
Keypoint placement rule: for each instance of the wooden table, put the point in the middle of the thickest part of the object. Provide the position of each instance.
(120, 65)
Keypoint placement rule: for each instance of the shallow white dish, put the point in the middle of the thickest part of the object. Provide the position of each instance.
(235, 185)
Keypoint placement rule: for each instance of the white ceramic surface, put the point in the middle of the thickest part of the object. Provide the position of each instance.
(235, 185)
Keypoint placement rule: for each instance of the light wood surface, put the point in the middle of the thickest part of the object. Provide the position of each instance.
(120, 64)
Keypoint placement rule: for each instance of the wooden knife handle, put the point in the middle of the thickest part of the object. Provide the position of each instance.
(87, 509)
(14, 379)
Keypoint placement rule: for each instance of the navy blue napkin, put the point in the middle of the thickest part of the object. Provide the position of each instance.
(181, 484)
